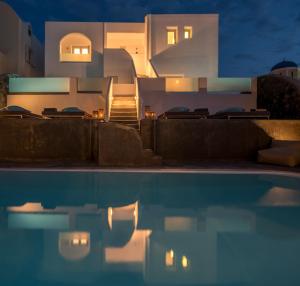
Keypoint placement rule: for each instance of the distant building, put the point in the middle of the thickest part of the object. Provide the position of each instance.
(286, 68)
(20, 51)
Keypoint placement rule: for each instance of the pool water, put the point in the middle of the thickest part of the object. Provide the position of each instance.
(143, 228)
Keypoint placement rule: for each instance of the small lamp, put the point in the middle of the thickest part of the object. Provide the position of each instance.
(95, 114)
(148, 113)
(98, 114)
(101, 114)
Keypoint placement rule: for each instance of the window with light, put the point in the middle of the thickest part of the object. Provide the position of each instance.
(172, 36)
(188, 32)
(75, 47)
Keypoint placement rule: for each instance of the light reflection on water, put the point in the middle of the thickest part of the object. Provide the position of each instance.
(64, 228)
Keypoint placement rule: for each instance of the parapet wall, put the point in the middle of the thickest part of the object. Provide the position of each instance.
(72, 142)
(46, 140)
(196, 140)
(81, 142)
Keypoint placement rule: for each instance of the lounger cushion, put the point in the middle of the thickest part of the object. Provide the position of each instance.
(231, 109)
(14, 108)
(179, 109)
(288, 155)
(71, 109)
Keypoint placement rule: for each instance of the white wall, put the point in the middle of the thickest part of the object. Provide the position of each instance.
(152, 92)
(55, 31)
(16, 42)
(128, 36)
(36, 102)
(196, 57)
(119, 63)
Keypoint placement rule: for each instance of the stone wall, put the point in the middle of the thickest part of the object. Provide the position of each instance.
(73, 142)
(70, 141)
(195, 140)
(46, 140)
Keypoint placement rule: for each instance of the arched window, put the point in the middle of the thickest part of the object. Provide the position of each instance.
(75, 47)
(74, 245)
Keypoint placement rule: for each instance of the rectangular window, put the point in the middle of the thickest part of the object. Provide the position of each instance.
(188, 32)
(172, 36)
(80, 50)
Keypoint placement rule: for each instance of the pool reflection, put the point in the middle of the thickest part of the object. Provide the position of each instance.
(155, 230)
(154, 244)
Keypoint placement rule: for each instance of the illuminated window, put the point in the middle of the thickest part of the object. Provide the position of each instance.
(172, 36)
(75, 47)
(80, 50)
(188, 32)
(169, 258)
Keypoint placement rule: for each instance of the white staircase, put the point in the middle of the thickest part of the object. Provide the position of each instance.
(124, 108)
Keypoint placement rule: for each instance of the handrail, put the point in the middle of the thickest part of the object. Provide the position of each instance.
(131, 62)
(109, 99)
(138, 100)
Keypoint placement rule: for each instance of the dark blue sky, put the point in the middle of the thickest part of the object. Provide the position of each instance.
(254, 34)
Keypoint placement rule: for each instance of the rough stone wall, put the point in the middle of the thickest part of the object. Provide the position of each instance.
(113, 145)
(73, 141)
(120, 145)
(45, 140)
(196, 140)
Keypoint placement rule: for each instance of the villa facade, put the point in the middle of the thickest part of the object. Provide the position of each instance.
(164, 45)
(122, 69)
(20, 51)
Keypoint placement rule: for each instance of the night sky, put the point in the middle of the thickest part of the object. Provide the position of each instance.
(254, 34)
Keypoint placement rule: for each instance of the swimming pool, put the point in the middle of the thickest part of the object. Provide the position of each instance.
(154, 228)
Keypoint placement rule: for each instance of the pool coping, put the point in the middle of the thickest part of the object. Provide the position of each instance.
(158, 170)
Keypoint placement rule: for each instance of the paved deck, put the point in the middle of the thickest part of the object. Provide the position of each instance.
(204, 166)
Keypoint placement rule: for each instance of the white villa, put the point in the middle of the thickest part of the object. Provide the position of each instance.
(165, 62)
(20, 51)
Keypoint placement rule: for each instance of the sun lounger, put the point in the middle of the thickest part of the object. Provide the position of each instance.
(197, 114)
(17, 112)
(242, 115)
(66, 113)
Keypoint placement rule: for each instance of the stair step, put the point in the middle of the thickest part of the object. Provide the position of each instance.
(122, 109)
(123, 95)
(121, 101)
(127, 122)
(123, 113)
(123, 118)
(124, 103)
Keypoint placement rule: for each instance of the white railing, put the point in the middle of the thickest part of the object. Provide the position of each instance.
(109, 99)
(138, 101)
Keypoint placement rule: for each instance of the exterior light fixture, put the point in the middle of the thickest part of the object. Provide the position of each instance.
(99, 114)
(148, 113)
